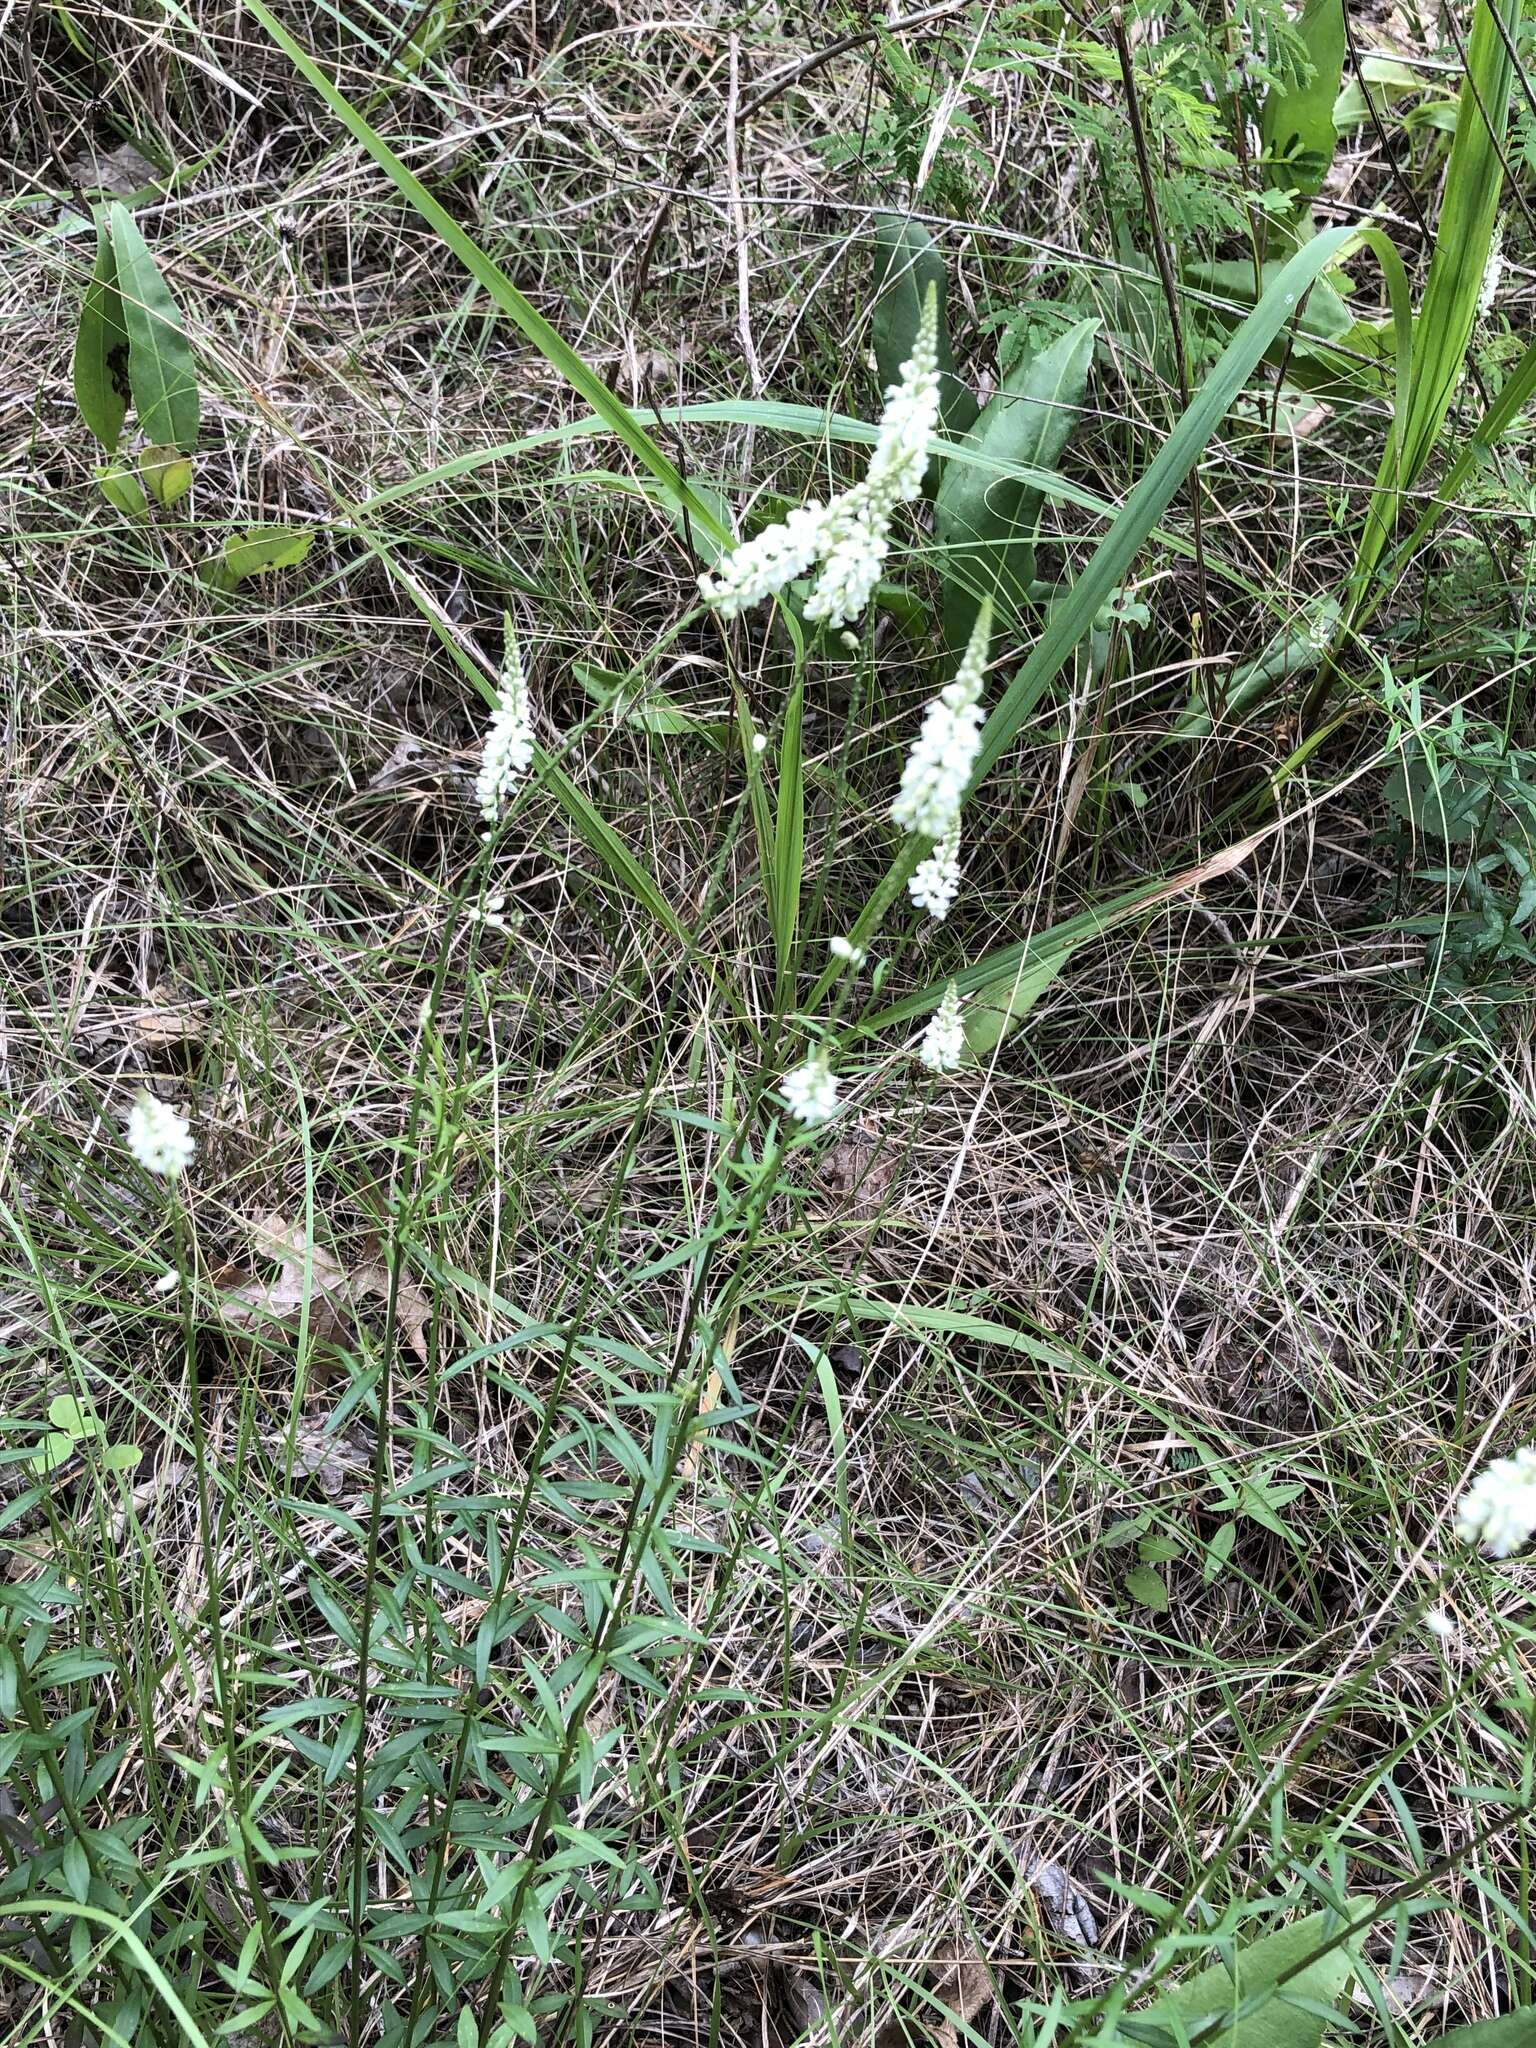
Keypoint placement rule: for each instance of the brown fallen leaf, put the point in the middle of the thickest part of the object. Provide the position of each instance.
(964, 1985)
(168, 1018)
(310, 1273)
(412, 1309)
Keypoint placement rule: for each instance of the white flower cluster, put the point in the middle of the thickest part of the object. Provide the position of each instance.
(943, 1042)
(1493, 271)
(939, 765)
(1498, 1509)
(508, 751)
(810, 1091)
(158, 1138)
(851, 536)
(934, 883)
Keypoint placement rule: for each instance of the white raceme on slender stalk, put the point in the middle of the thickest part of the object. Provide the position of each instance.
(934, 883)
(942, 1046)
(1498, 1510)
(938, 770)
(810, 1091)
(507, 753)
(158, 1137)
(851, 536)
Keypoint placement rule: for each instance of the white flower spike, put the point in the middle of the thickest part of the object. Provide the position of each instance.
(1498, 1509)
(810, 1091)
(943, 756)
(508, 751)
(763, 566)
(943, 1042)
(850, 537)
(158, 1137)
(934, 883)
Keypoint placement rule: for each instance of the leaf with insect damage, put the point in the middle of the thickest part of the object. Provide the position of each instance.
(101, 351)
(161, 372)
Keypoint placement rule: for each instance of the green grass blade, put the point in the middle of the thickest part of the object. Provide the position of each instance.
(494, 280)
(788, 864)
(1469, 208)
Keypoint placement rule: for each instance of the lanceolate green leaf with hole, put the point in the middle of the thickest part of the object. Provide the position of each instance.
(985, 523)
(161, 373)
(101, 350)
(1277, 1994)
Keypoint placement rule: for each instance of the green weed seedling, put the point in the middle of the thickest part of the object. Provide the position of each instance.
(132, 350)
(73, 1426)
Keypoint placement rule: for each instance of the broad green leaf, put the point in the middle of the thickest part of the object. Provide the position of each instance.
(1297, 131)
(985, 523)
(1387, 79)
(1508, 2030)
(166, 474)
(55, 1450)
(1261, 2011)
(1148, 1588)
(1001, 1005)
(161, 372)
(121, 1457)
(101, 350)
(1217, 1551)
(907, 262)
(77, 1870)
(254, 551)
(66, 1413)
(121, 488)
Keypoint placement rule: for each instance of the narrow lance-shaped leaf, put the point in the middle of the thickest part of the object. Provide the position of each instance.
(985, 521)
(907, 264)
(1428, 373)
(161, 371)
(101, 350)
(1469, 210)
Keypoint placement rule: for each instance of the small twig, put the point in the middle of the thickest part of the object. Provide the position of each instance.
(1170, 287)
